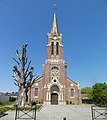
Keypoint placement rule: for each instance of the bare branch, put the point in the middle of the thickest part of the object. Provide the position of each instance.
(17, 84)
(24, 50)
(11, 65)
(16, 61)
(35, 79)
(15, 76)
(27, 69)
(18, 55)
(16, 71)
(20, 47)
(16, 79)
(26, 61)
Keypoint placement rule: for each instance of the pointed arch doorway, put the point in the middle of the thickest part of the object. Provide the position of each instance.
(54, 95)
(54, 99)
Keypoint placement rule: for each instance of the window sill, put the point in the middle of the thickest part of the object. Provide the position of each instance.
(72, 97)
(35, 96)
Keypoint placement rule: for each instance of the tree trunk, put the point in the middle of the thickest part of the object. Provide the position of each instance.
(26, 96)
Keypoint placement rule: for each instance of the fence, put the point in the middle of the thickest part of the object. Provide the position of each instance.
(26, 115)
(99, 113)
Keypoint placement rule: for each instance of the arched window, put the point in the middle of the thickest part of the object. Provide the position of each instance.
(72, 92)
(36, 92)
(52, 48)
(57, 48)
(54, 88)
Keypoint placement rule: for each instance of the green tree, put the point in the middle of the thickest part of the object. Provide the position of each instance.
(99, 93)
(86, 90)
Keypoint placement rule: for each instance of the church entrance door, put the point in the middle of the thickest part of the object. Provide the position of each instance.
(54, 99)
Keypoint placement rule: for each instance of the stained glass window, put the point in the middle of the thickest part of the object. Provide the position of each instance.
(36, 92)
(72, 92)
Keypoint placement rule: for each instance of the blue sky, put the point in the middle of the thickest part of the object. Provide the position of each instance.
(83, 24)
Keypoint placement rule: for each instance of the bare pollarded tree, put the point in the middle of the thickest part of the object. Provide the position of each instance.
(23, 75)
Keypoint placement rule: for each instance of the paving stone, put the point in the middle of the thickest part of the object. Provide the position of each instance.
(70, 112)
(59, 112)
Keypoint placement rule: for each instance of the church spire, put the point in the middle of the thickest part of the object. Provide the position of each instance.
(54, 29)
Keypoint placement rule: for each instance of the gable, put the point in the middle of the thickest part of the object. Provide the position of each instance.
(72, 81)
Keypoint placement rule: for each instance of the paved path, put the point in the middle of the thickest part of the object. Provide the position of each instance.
(70, 112)
(58, 112)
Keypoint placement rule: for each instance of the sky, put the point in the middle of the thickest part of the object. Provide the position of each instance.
(83, 24)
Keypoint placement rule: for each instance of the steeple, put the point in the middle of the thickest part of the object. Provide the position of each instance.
(54, 29)
(54, 47)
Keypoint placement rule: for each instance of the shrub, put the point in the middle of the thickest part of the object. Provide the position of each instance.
(12, 98)
(70, 102)
(27, 108)
(13, 108)
(37, 102)
(6, 103)
(3, 110)
(1, 103)
(67, 102)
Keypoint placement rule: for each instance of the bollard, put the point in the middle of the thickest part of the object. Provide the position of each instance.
(64, 118)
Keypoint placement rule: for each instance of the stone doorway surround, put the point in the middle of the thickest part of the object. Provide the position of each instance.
(54, 95)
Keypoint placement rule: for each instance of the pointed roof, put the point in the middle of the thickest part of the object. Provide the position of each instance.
(54, 29)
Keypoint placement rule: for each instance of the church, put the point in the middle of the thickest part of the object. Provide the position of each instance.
(54, 87)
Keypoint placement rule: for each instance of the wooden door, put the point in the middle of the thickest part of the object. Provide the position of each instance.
(54, 99)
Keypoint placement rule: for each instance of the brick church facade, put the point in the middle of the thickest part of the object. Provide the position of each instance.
(54, 86)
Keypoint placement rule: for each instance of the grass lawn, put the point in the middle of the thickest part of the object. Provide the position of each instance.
(6, 107)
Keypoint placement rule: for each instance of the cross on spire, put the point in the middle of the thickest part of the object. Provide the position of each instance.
(54, 29)
(54, 5)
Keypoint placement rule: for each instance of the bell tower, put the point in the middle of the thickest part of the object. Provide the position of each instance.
(54, 69)
(54, 47)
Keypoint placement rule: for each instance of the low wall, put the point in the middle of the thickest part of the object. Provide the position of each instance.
(4, 98)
